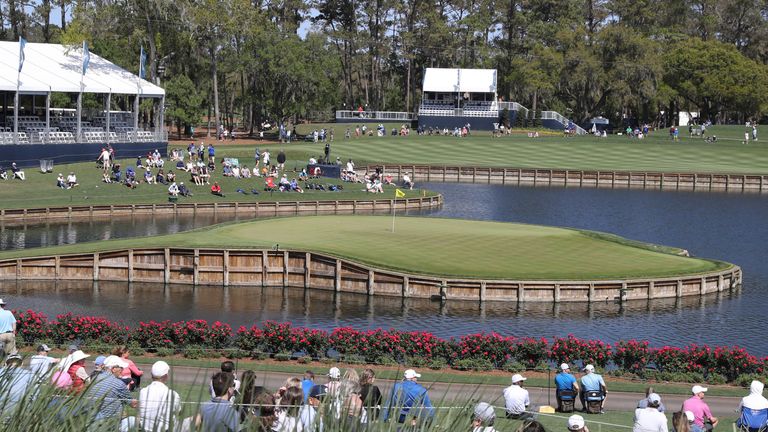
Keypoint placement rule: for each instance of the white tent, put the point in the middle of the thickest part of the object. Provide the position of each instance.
(460, 80)
(57, 68)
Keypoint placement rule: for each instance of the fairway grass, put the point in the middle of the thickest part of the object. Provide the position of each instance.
(432, 246)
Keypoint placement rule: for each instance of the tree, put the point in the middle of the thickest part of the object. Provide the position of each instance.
(184, 102)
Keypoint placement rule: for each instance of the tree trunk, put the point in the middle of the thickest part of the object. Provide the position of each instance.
(214, 75)
(63, 9)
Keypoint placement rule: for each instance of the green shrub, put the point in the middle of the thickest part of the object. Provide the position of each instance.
(437, 363)
(513, 366)
(305, 359)
(715, 378)
(354, 359)
(541, 366)
(327, 360)
(136, 350)
(258, 355)
(165, 352)
(416, 361)
(282, 356)
(744, 380)
(194, 352)
(386, 361)
(235, 354)
(473, 364)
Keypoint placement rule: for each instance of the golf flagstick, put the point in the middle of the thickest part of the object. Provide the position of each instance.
(398, 194)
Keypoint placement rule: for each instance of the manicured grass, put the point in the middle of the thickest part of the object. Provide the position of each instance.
(39, 190)
(655, 153)
(446, 247)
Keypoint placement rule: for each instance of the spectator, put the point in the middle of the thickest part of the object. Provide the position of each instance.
(98, 366)
(483, 418)
(565, 381)
(226, 366)
(72, 180)
(755, 400)
(18, 173)
(592, 382)
(370, 394)
(643, 403)
(265, 403)
(334, 375)
(682, 421)
(40, 363)
(216, 189)
(183, 191)
(219, 415)
(60, 182)
(281, 160)
(516, 399)
(308, 412)
(288, 413)
(109, 395)
(409, 399)
(700, 409)
(3, 173)
(16, 383)
(407, 182)
(131, 375)
(250, 393)
(576, 424)
(211, 154)
(307, 383)
(7, 329)
(650, 419)
(173, 190)
(77, 372)
(158, 405)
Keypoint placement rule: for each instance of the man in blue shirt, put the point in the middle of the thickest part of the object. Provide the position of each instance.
(219, 415)
(108, 395)
(592, 382)
(565, 381)
(7, 329)
(409, 399)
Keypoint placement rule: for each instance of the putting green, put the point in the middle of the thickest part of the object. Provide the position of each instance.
(446, 247)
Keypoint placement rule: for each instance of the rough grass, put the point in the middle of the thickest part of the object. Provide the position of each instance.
(445, 247)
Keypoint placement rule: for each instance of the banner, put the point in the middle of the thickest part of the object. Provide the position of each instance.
(22, 44)
(142, 64)
(86, 57)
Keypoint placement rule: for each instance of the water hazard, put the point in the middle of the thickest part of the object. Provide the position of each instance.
(725, 226)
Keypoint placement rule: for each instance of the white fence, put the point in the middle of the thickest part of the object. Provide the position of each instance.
(375, 115)
(552, 115)
(53, 136)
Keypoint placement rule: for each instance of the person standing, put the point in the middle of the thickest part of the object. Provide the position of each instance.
(700, 409)
(158, 404)
(211, 154)
(409, 399)
(516, 399)
(7, 329)
(650, 419)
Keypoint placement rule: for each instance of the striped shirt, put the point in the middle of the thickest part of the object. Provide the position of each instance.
(108, 395)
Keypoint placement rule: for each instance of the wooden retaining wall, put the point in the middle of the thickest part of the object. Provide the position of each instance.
(245, 209)
(576, 178)
(289, 268)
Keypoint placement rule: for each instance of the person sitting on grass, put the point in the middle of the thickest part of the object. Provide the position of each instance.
(60, 182)
(130, 178)
(18, 173)
(195, 176)
(204, 174)
(117, 173)
(303, 174)
(216, 189)
(170, 177)
(407, 182)
(285, 185)
(173, 190)
(295, 186)
(160, 178)
(180, 164)
(183, 191)
(245, 172)
(269, 184)
(148, 177)
(138, 162)
(3, 173)
(72, 180)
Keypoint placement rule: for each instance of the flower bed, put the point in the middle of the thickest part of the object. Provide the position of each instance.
(692, 362)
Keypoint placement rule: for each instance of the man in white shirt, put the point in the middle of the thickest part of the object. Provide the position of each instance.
(516, 399)
(40, 363)
(158, 404)
(649, 419)
(755, 400)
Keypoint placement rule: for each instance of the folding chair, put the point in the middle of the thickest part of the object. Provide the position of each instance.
(753, 420)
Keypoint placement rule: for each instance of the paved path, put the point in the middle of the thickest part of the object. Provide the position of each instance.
(441, 393)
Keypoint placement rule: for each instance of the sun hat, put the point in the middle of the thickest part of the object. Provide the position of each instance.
(589, 368)
(575, 422)
(410, 374)
(114, 361)
(517, 378)
(78, 355)
(654, 398)
(484, 412)
(698, 389)
(564, 366)
(43, 347)
(160, 369)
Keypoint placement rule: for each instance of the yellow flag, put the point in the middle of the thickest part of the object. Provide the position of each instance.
(399, 193)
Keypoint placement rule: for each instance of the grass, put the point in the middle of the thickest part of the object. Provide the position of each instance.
(445, 247)
(39, 190)
(655, 153)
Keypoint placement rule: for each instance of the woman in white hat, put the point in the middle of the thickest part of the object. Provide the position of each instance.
(77, 372)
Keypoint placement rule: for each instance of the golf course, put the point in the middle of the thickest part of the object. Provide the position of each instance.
(432, 246)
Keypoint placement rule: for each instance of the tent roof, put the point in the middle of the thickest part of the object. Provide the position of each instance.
(460, 80)
(57, 68)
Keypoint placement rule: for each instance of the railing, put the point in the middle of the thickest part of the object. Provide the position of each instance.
(375, 115)
(53, 136)
(458, 112)
(514, 106)
(552, 115)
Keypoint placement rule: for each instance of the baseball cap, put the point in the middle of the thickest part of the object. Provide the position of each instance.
(410, 374)
(589, 367)
(518, 378)
(654, 398)
(72, 348)
(484, 412)
(114, 361)
(318, 391)
(564, 366)
(99, 360)
(575, 422)
(334, 372)
(12, 357)
(160, 369)
(689, 415)
(698, 389)
(43, 347)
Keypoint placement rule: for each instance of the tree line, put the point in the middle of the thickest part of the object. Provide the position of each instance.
(246, 61)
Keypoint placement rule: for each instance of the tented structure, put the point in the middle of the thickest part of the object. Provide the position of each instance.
(441, 80)
(457, 97)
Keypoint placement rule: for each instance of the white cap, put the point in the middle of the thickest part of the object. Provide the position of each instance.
(575, 422)
(517, 378)
(2, 302)
(334, 372)
(589, 368)
(564, 366)
(410, 374)
(698, 389)
(689, 415)
(114, 361)
(484, 412)
(654, 398)
(160, 369)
